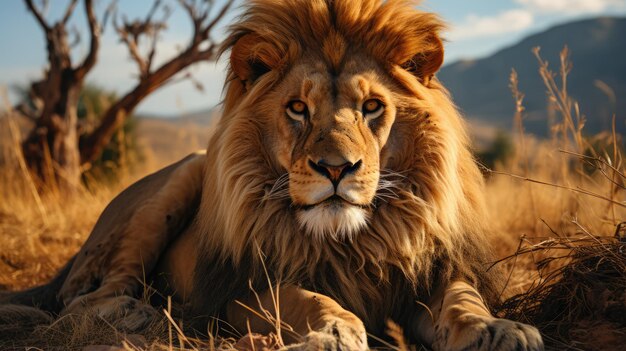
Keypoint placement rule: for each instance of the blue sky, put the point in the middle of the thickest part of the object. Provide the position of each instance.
(477, 28)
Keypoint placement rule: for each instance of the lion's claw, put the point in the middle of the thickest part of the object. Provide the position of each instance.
(336, 336)
(488, 333)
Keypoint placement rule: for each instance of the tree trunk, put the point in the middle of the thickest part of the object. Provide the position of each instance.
(51, 148)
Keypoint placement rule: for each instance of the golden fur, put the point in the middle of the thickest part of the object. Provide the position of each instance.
(403, 220)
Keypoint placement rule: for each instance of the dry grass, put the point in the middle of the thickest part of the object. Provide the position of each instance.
(165, 142)
(38, 234)
(555, 206)
(579, 300)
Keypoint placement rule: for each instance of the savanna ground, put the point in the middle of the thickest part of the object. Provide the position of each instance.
(556, 207)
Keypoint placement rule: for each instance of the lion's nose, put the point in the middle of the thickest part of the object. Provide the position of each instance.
(334, 172)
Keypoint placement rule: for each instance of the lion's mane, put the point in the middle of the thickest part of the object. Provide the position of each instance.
(432, 231)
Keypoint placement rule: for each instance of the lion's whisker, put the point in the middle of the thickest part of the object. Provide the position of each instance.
(385, 198)
(385, 173)
(389, 193)
(388, 188)
(279, 190)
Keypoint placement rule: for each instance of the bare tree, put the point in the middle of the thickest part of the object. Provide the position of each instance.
(201, 47)
(54, 150)
(51, 148)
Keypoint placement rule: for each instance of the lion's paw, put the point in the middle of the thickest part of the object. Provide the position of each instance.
(124, 312)
(336, 336)
(257, 342)
(487, 333)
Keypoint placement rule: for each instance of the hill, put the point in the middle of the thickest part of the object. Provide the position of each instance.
(167, 140)
(598, 52)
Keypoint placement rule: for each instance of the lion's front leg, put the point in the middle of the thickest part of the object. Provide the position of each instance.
(461, 321)
(312, 321)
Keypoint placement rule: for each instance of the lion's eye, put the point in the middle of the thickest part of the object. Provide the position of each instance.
(297, 110)
(373, 108)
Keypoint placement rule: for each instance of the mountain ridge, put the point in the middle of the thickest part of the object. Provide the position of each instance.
(480, 87)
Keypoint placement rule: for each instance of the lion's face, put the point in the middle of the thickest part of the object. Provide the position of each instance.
(327, 95)
(331, 128)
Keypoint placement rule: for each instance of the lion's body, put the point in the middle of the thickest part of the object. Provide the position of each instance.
(406, 224)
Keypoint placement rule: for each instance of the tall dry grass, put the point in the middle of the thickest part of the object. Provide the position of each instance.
(557, 208)
(567, 186)
(38, 233)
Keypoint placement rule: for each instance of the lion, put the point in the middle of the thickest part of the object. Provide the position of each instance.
(337, 192)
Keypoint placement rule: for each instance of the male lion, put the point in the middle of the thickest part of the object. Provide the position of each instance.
(340, 169)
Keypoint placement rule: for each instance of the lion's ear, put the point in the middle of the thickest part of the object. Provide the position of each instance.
(251, 58)
(427, 62)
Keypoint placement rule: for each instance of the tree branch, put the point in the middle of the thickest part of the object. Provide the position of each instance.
(94, 45)
(69, 11)
(77, 38)
(152, 11)
(131, 44)
(208, 54)
(107, 13)
(27, 111)
(132, 32)
(196, 19)
(38, 15)
(91, 145)
(217, 19)
(155, 35)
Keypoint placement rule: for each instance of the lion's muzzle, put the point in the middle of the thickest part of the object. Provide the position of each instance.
(335, 181)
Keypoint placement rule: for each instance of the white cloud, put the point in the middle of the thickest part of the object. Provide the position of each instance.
(485, 26)
(571, 6)
(523, 17)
